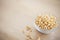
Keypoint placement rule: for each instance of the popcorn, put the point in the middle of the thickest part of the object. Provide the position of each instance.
(38, 38)
(46, 22)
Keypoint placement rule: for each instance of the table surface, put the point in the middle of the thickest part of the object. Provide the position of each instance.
(16, 14)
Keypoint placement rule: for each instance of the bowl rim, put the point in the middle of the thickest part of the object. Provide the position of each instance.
(45, 31)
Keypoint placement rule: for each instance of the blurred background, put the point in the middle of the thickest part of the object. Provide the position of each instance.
(15, 14)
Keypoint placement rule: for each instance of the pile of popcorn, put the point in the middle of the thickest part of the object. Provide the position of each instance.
(28, 30)
(46, 22)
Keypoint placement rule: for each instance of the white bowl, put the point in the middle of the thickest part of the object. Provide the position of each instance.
(45, 31)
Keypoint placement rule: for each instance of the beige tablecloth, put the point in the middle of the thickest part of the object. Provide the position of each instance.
(16, 14)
